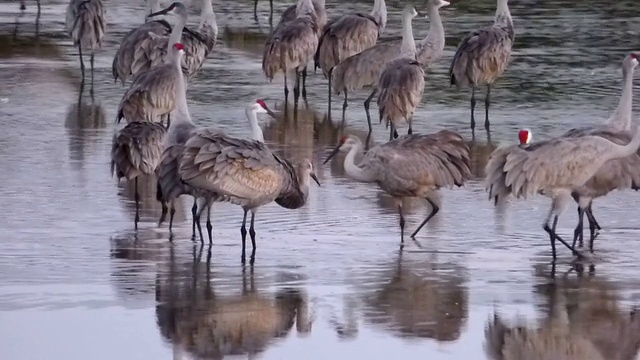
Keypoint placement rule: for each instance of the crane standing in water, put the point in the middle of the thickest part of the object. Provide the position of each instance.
(85, 23)
(482, 57)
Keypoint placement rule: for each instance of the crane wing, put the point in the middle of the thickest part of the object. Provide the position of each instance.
(137, 147)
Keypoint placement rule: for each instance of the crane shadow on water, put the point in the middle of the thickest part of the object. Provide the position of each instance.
(581, 317)
(83, 120)
(212, 324)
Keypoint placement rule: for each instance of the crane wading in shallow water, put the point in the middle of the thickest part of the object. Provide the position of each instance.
(85, 23)
(410, 166)
(554, 168)
(482, 57)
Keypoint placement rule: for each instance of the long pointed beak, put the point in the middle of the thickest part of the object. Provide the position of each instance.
(444, 3)
(161, 12)
(271, 113)
(315, 178)
(333, 153)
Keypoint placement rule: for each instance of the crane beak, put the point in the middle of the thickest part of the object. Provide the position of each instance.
(161, 12)
(315, 178)
(333, 153)
(420, 14)
(271, 113)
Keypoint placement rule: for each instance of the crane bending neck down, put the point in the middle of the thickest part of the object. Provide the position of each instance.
(353, 145)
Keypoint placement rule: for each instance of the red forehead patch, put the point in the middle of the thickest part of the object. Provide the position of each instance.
(178, 46)
(523, 136)
(262, 103)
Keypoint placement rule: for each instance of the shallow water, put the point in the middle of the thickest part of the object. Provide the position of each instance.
(330, 280)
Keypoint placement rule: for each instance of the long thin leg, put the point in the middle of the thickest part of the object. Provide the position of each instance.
(209, 226)
(329, 97)
(410, 121)
(391, 132)
(38, 19)
(243, 232)
(592, 227)
(553, 233)
(304, 82)
(81, 62)
(255, 10)
(136, 196)
(296, 87)
(163, 215)
(271, 14)
(577, 233)
(286, 88)
(473, 106)
(434, 210)
(194, 215)
(344, 105)
(252, 233)
(487, 102)
(595, 223)
(92, 56)
(367, 103)
(401, 223)
(198, 225)
(168, 120)
(552, 237)
(172, 213)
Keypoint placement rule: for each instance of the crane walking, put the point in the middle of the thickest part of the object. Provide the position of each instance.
(363, 70)
(410, 166)
(245, 173)
(482, 57)
(85, 23)
(401, 83)
(554, 168)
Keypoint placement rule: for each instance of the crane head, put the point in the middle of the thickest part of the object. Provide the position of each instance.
(630, 61)
(306, 169)
(261, 107)
(524, 136)
(176, 8)
(345, 143)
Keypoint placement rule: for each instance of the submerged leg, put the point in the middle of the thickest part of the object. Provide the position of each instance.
(577, 233)
(434, 210)
(286, 88)
(552, 233)
(473, 106)
(252, 233)
(136, 197)
(92, 56)
(344, 105)
(81, 62)
(209, 226)
(255, 10)
(593, 227)
(487, 102)
(243, 232)
(401, 221)
(366, 107)
(194, 214)
(304, 82)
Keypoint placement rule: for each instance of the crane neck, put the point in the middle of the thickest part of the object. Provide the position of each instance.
(208, 24)
(432, 46)
(207, 8)
(176, 32)
(379, 13)
(181, 113)
(256, 131)
(408, 47)
(503, 17)
(621, 118)
(621, 151)
(354, 171)
(304, 7)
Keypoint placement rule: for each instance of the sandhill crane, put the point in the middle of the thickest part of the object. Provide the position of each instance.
(363, 69)
(410, 166)
(146, 46)
(170, 184)
(291, 46)
(137, 148)
(153, 93)
(482, 57)
(85, 23)
(401, 83)
(554, 168)
(255, 11)
(348, 35)
(245, 173)
(616, 174)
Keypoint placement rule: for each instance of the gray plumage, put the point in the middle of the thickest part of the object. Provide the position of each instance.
(348, 35)
(152, 93)
(291, 46)
(290, 14)
(146, 47)
(245, 173)
(85, 22)
(137, 150)
(363, 69)
(553, 168)
(411, 166)
(482, 57)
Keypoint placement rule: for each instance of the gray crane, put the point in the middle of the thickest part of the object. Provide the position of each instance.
(401, 83)
(171, 185)
(410, 166)
(137, 148)
(153, 93)
(554, 168)
(145, 47)
(363, 70)
(616, 174)
(291, 46)
(290, 14)
(348, 35)
(245, 173)
(482, 57)
(85, 23)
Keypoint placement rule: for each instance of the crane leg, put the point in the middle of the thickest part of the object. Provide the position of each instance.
(81, 62)
(296, 87)
(329, 105)
(410, 121)
(198, 225)
(255, 10)
(243, 232)
(578, 232)
(304, 83)
(38, 19)
(367, 103)
(401, 222)
(434, 210)
(252, 233)
(163, 215)
(487, 102)
(23, 7)
(270, 14)
(168, 120)
(473, 106)
(286, 88)
(593, 226)
(194, 215)
(136, 197)
(209, 226)
(92, 58)
(553, 236)
(344, 105)
(172, 213)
